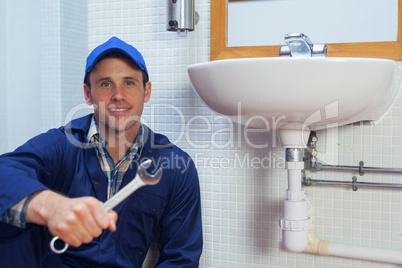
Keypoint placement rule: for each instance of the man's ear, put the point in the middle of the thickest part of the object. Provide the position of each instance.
(87, 94)
(147, 91)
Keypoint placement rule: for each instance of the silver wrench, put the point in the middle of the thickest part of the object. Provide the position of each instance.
(141, 179)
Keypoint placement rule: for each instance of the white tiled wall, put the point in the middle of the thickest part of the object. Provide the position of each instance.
(43, 46)
(242, 204)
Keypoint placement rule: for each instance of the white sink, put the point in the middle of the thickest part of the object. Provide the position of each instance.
(297, 94)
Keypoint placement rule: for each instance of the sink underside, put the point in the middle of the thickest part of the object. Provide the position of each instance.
(315, 92)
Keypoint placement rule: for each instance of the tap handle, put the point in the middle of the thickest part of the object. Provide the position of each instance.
(299, 44)
(298, 36)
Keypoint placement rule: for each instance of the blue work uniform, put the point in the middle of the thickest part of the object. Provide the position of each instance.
(64, 161)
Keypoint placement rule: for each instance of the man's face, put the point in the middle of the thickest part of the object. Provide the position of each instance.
(118, 94)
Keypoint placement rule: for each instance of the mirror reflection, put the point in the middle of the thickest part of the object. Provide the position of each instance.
(265, 22)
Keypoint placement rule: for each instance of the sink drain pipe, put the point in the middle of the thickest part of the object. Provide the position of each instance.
(295, 221)
(327, 248)
(298, 230)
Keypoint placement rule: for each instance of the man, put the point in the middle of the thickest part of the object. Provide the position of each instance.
(55, 184)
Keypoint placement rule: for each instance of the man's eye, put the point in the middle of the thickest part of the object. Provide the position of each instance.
(105, 84)
(129, 83)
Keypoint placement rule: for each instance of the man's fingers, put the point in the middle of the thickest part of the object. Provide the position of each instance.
(112, 220)
(80, 220)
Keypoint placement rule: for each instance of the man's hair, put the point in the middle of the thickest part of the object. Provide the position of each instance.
(116, 55)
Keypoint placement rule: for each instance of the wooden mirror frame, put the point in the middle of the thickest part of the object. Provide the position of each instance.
(220, 50)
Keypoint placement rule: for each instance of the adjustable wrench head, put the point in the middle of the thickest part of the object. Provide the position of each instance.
(145, 176)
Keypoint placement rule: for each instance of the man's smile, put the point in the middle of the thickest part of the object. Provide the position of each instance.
(118, 110)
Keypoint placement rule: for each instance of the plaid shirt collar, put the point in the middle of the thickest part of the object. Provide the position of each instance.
(113, 172)
(94, 133)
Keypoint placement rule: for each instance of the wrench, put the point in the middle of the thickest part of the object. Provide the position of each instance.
(141, 179)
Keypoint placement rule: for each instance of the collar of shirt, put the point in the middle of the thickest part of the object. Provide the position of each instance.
(113, 172)
(94, 133)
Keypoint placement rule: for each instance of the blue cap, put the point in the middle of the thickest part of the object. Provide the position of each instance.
(114, 44)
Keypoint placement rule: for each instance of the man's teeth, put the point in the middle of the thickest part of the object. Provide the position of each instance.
(117, 110)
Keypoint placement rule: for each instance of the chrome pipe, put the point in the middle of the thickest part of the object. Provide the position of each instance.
(344, 168)
(368, 169)
(310, 182)
(361, 168)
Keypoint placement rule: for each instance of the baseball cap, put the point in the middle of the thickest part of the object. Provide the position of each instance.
(114, 44)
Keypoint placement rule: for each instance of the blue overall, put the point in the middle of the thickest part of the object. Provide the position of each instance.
(63, 160)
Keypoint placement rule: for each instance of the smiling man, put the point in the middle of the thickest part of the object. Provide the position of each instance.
(55, 184)
(118, 93)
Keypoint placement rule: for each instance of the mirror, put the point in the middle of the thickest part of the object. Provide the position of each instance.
(221, 50)
(324, 21)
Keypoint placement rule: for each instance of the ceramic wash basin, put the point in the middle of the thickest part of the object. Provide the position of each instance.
(297, 93)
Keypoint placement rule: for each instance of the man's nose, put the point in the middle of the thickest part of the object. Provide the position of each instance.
(118, 92)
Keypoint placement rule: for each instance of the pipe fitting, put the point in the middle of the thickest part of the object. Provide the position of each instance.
(317, 246)
(295, 221)
(294, 154)
(295, 225)
(294, 195)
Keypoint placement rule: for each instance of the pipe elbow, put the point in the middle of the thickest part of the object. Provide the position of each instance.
(317, 246)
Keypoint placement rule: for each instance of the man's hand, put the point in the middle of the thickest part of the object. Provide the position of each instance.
(74, 220)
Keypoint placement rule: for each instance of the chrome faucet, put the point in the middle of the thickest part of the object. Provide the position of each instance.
(299, 45)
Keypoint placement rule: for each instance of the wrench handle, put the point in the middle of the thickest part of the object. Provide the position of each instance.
(123, 193)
